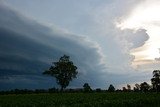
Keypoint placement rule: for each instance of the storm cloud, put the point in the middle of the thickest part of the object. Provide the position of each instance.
(27, 48)
(33, 36)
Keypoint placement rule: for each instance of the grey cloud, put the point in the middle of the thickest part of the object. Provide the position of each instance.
(117, 44)
(25, 82)
(137, 38)
(27, 48)
(158, 59)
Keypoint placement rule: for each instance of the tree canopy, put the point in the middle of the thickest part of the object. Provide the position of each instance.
(111, 88)
(86, 87)
(156, 80)
(144, 86)
(64, 71)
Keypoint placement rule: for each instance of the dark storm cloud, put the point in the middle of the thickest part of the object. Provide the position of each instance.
(27, 48)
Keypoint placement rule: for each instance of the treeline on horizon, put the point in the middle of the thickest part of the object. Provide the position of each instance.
(65, 71)
(143, 87)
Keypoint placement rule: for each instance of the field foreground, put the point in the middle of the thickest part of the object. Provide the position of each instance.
(81, 100)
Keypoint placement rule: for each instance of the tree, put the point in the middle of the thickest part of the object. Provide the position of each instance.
(87, 88)
(128, 87)
(156, 80)
(98, 90)
(144, 86)
(111, 88)
(137, 87)
(64, 71)
(124, 89)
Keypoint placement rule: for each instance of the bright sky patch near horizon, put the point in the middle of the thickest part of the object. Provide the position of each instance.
(145, 16)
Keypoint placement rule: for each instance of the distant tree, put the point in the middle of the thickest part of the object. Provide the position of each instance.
(128, 87)
(111, 88)
(118, 90)
(64, 71)
(156, 80)
(137, 87)
(86, 87)
(98, 90)
(144, 87)
(124, 89)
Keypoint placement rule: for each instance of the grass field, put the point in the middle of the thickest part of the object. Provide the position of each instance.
(81, 100)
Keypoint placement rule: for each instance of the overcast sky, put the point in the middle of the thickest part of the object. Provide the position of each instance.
(110, 41)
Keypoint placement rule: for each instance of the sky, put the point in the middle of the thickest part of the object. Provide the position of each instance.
(110, 41)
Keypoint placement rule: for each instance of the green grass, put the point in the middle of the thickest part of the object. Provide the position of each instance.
(81, 100)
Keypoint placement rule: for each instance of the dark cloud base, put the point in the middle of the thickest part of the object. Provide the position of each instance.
(27, 48)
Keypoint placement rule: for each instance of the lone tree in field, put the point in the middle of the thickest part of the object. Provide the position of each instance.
(156, 80)
(64, 71)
